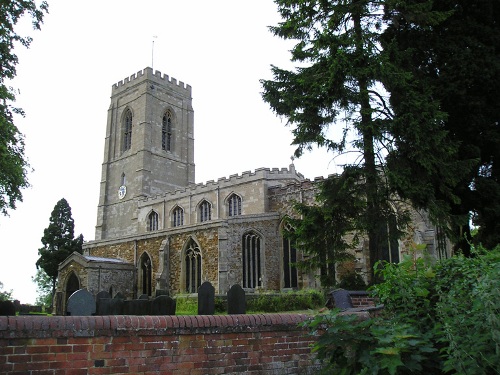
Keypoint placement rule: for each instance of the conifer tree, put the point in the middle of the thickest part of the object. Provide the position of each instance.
(456, 60)
(58, 241)
(338, 83)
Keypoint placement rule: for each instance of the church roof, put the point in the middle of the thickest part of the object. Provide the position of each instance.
(101, 259)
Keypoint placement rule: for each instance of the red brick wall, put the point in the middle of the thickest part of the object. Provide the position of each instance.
(77, 345)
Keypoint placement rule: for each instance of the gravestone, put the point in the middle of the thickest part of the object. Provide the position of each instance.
(110, 306)
(206, 299)
(163, 305)
(341, 299)
(101, 295)
(7, 308)
(119, 295)
(81, 303)
(236, 301)
(136, 307)
(161, 292)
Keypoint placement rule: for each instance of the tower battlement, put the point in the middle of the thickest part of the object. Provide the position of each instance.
(156, 77)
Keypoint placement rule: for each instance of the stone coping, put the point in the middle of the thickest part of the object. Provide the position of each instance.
(33, 326)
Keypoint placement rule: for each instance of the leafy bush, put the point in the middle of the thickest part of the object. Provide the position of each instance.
(440, 318)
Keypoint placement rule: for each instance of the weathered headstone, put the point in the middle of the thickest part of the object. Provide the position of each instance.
(163, 305)
(7, 308)
(161, 292)
(81, 303)
(236, 301)
(341, 299)
(206, 299)
(119, 295)
(101, 295)
(144, 296)
(110, 306)
(136, 307)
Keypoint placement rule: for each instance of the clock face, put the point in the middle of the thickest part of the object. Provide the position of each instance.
(122, 191)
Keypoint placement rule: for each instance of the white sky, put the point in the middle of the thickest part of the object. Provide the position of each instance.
(221, 48)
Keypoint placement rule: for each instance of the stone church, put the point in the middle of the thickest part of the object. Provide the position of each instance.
(158, 229)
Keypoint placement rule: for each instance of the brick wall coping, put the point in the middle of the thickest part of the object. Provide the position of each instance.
(33, 326)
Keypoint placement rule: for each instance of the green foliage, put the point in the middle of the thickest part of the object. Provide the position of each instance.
(13, 164)
(321, 231)
(352, 281)
(469, 311)
(58, 241)
(186, 305)
(372, 346)
(291, 301)
(438, 318)
(4, 295)
(448, 52)
(43, 288)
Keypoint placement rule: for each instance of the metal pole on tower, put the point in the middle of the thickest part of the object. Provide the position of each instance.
(152, 52)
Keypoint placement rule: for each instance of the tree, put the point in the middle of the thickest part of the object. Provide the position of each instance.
(321, 231)
(58, 241)
(13, 163)
(339, 80)
(43, 288)
(456, 60)
(4, 295)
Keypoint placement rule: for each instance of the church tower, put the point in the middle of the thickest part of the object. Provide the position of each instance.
(149, 148)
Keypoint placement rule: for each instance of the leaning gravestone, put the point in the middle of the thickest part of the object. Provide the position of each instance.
(236, 301)
(342, 299)
(81, 303)
(163, 305)
(206, 299)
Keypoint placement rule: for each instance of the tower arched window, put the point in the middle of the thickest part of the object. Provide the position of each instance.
(177, 217)
(234, 203)
(166, 132)
(192, 267)
(127, 130)
(205, 210)
(289, 259)
(153, 221)
(251, 256)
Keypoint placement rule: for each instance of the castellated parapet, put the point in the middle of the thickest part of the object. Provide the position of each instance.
(156, 77)
(272, 176)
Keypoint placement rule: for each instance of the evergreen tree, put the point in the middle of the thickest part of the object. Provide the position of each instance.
(338, 81)
(13, 164)
(58, 241)
(456, 60)
(321, 231)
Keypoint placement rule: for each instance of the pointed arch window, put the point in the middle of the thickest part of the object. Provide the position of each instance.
(177, 216)
(289, 260)
(234, 202)
(192, 267)
(72, 285)
(205, 210)
(145, 275)
(127, 130)
(252, 269)
(166, 132)
(153, 221)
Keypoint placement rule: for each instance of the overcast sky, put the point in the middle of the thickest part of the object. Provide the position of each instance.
(221, 48)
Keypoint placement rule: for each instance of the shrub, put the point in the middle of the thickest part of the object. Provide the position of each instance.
(439, 318)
